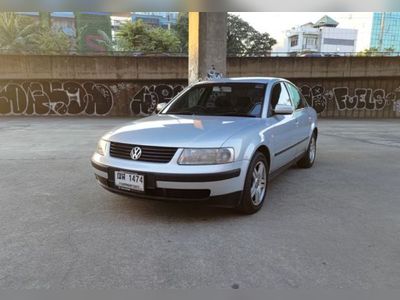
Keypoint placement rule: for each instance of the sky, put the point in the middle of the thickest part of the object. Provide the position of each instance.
(276, 24)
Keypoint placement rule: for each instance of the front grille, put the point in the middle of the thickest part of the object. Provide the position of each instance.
(149, 153)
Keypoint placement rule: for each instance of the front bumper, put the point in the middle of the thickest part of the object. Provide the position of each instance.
(216, 185)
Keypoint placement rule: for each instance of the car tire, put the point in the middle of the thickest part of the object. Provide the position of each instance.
(256, 185)
(308, 159)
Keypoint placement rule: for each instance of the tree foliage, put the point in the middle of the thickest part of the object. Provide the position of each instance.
(23, 34)
(106, 41)
(244, 40)
(19, 34)
(182, 30)
(375, 52)
(16, 33)
(141, 37)
(52, 41)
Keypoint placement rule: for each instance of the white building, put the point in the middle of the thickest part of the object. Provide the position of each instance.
(117, 19)
(323, 36)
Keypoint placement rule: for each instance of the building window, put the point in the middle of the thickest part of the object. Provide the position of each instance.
(310, 41)
(294, 40)
(342, 42)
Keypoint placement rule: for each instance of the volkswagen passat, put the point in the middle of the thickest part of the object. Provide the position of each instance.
(217, 141)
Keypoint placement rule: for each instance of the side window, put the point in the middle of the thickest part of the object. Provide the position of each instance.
(279, 95)
(284, 98)
(297, 100)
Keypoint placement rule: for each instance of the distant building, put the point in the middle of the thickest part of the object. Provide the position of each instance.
(323, 36)
(64, 21)
(161, 19)
(116, 22)
(385, 32)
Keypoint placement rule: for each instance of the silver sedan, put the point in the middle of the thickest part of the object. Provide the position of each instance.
(218, 141)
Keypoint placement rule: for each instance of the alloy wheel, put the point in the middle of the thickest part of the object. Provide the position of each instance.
(259, 183)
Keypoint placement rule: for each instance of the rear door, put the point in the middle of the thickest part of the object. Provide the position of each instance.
(302, 129)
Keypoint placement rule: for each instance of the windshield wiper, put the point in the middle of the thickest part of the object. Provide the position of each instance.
(189, 113)
(237, 115)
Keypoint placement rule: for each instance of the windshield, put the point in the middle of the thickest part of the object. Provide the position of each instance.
(220, 99)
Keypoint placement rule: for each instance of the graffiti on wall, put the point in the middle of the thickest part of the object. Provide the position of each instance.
(360, 98)
(69, 98)
(316, 96)
(396, 106)
(55, 98)
(145, 101)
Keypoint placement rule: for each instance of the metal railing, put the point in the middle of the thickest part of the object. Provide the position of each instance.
(185, 54)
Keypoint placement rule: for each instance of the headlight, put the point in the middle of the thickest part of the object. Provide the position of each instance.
(102, 147)
(211, 156)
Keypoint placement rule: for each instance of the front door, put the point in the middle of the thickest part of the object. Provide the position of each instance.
(282, 130)
(302, 130)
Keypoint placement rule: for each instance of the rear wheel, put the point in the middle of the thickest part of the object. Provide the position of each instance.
(255, 187)
(309, 157)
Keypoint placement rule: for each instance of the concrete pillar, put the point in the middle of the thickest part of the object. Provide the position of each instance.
(207, 44)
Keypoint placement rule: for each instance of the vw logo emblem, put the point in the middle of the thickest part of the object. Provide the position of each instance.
(136, 152)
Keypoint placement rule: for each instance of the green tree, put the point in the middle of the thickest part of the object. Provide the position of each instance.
(390, 50)
(16, 33)
(369, 52)
(138, 36)
(20, 34)
(45, 19)
(106, 41)
(244, 40)
(162, 40)
(132, 36)
(51, 41)
(182, 30)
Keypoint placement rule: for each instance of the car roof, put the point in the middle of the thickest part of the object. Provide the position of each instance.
(263, 80)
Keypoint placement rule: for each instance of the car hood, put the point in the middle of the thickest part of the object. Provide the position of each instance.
(179, 131)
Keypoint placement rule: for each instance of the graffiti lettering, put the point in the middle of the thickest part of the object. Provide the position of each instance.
(362, 98)
(145, 101)
(396, 106)
(69, 98)
(55, 98)
(316, 96)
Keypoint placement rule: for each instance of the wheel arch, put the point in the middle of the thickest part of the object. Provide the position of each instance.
(316, 132)
(265, 151)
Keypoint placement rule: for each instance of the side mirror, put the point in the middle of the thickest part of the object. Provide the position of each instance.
(160, 106)
(283, 109)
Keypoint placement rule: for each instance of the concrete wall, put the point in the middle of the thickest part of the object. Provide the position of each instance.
(351, 87)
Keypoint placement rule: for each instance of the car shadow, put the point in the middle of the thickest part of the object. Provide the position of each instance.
(181, 212)
(176, 211)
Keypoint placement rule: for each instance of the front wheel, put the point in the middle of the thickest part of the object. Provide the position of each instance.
(309, 157)
(255, 187)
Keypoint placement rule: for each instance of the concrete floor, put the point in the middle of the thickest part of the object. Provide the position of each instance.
(335, 225)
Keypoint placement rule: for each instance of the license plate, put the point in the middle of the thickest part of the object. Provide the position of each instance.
(129, 181)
